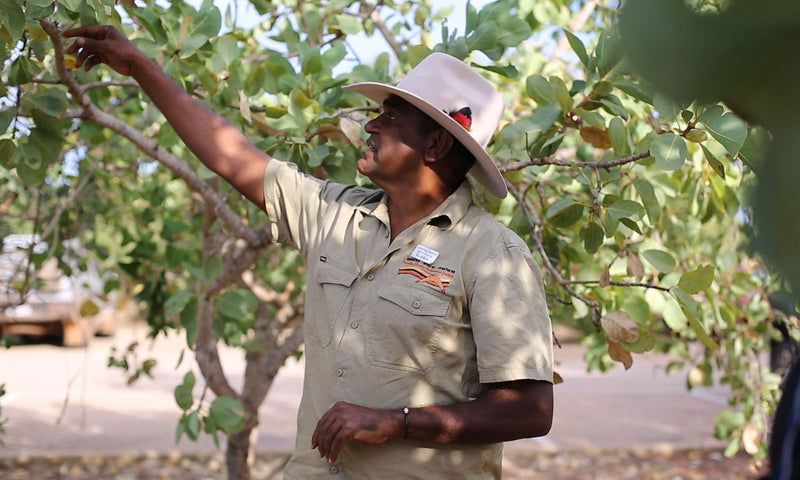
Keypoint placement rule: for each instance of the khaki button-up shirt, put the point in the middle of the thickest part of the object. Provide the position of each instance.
(452, 303)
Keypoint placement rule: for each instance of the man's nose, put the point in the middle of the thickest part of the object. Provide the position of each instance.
(372, 125)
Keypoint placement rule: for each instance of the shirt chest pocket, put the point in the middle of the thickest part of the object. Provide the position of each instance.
(326, 303)
(405, 327)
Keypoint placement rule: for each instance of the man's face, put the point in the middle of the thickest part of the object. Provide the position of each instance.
(396, 145)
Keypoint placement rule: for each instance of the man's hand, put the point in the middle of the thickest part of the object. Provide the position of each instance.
(98, 44)
(346, 422)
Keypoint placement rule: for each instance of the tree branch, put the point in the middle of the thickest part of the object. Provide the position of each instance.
(540, 161)
(533, 224)
(177, 165)
(621, 284)
(375, 16)
(207, 354)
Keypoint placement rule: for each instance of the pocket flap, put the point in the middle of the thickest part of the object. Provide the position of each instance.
(335, 274)
(416, 301)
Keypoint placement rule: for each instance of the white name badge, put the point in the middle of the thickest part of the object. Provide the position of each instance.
(424, 254)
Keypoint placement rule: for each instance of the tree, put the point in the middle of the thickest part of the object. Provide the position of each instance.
(632, 200)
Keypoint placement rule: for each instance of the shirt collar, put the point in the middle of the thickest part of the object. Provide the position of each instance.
(448, 213)
(453, 209)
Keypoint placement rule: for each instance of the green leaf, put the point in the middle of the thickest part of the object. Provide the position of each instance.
(183, 392)
(278, 68)
(311, 60)
(228, 49)
(713, 162)
(666, 106)
(648, 195)
(228, 414)
(564, 213)
(255, 81)
(333, 56)
(513, 32)
(299, 107)
(645, 343)
(577, 47)
(592, 235)
(7, 116)
(13, 17)
(193, 425)
(208, 21)
(670, 151)
(697, 280)
(180, 429)
(625, 209)
(561, 93)
(754, 151)
(608, 52)
(726, 128)
(694, 314)
(7, 148)
(152, 22)
(237, 304)
(660, 260)
(614, 106)
(348, 24)
(508, 71)
(542, 119)
(484, 37)
(21, 71)
(619, 137)
(727, 422)
(50, 101)
(539, 90)
(631, 224)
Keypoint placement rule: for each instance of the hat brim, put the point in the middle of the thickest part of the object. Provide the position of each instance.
(485, 170)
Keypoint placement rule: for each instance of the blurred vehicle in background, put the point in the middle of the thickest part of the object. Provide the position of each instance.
(45, 302)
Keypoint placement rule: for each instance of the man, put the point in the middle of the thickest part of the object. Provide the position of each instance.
(427, 337)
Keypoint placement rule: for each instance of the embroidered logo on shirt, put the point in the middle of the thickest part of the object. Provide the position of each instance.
(435, 278)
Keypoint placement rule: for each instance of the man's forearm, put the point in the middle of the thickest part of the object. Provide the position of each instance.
(217, 143)
(510, 411)
(499, 415)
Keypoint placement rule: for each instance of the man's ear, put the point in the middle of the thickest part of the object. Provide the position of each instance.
(438, 146)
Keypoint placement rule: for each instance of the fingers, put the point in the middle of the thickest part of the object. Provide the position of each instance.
(328, 436)
(87, 44)
(93, 31)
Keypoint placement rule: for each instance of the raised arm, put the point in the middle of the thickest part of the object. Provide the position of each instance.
(217, 143)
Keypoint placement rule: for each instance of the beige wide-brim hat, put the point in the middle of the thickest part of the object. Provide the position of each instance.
(440, 85)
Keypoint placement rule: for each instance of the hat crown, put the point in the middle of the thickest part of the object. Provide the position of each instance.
(449, 85)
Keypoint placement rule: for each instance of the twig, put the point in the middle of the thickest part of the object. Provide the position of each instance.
(539, 243)
(621, 284)
(540, 161)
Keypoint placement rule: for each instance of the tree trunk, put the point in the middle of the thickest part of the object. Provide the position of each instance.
(237, 456)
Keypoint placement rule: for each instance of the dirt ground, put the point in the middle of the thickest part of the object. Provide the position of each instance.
(618, 465)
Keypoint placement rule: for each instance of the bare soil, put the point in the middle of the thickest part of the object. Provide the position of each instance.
(613, 465)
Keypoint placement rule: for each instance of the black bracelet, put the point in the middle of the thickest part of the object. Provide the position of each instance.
(405, 414)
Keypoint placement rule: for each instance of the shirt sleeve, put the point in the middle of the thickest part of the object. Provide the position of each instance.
(510, 321)
(300, 207)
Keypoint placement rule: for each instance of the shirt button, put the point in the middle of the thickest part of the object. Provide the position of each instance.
(370, 277)
(416, 304)
(354, 324)
(334, 469)
(339, 372)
